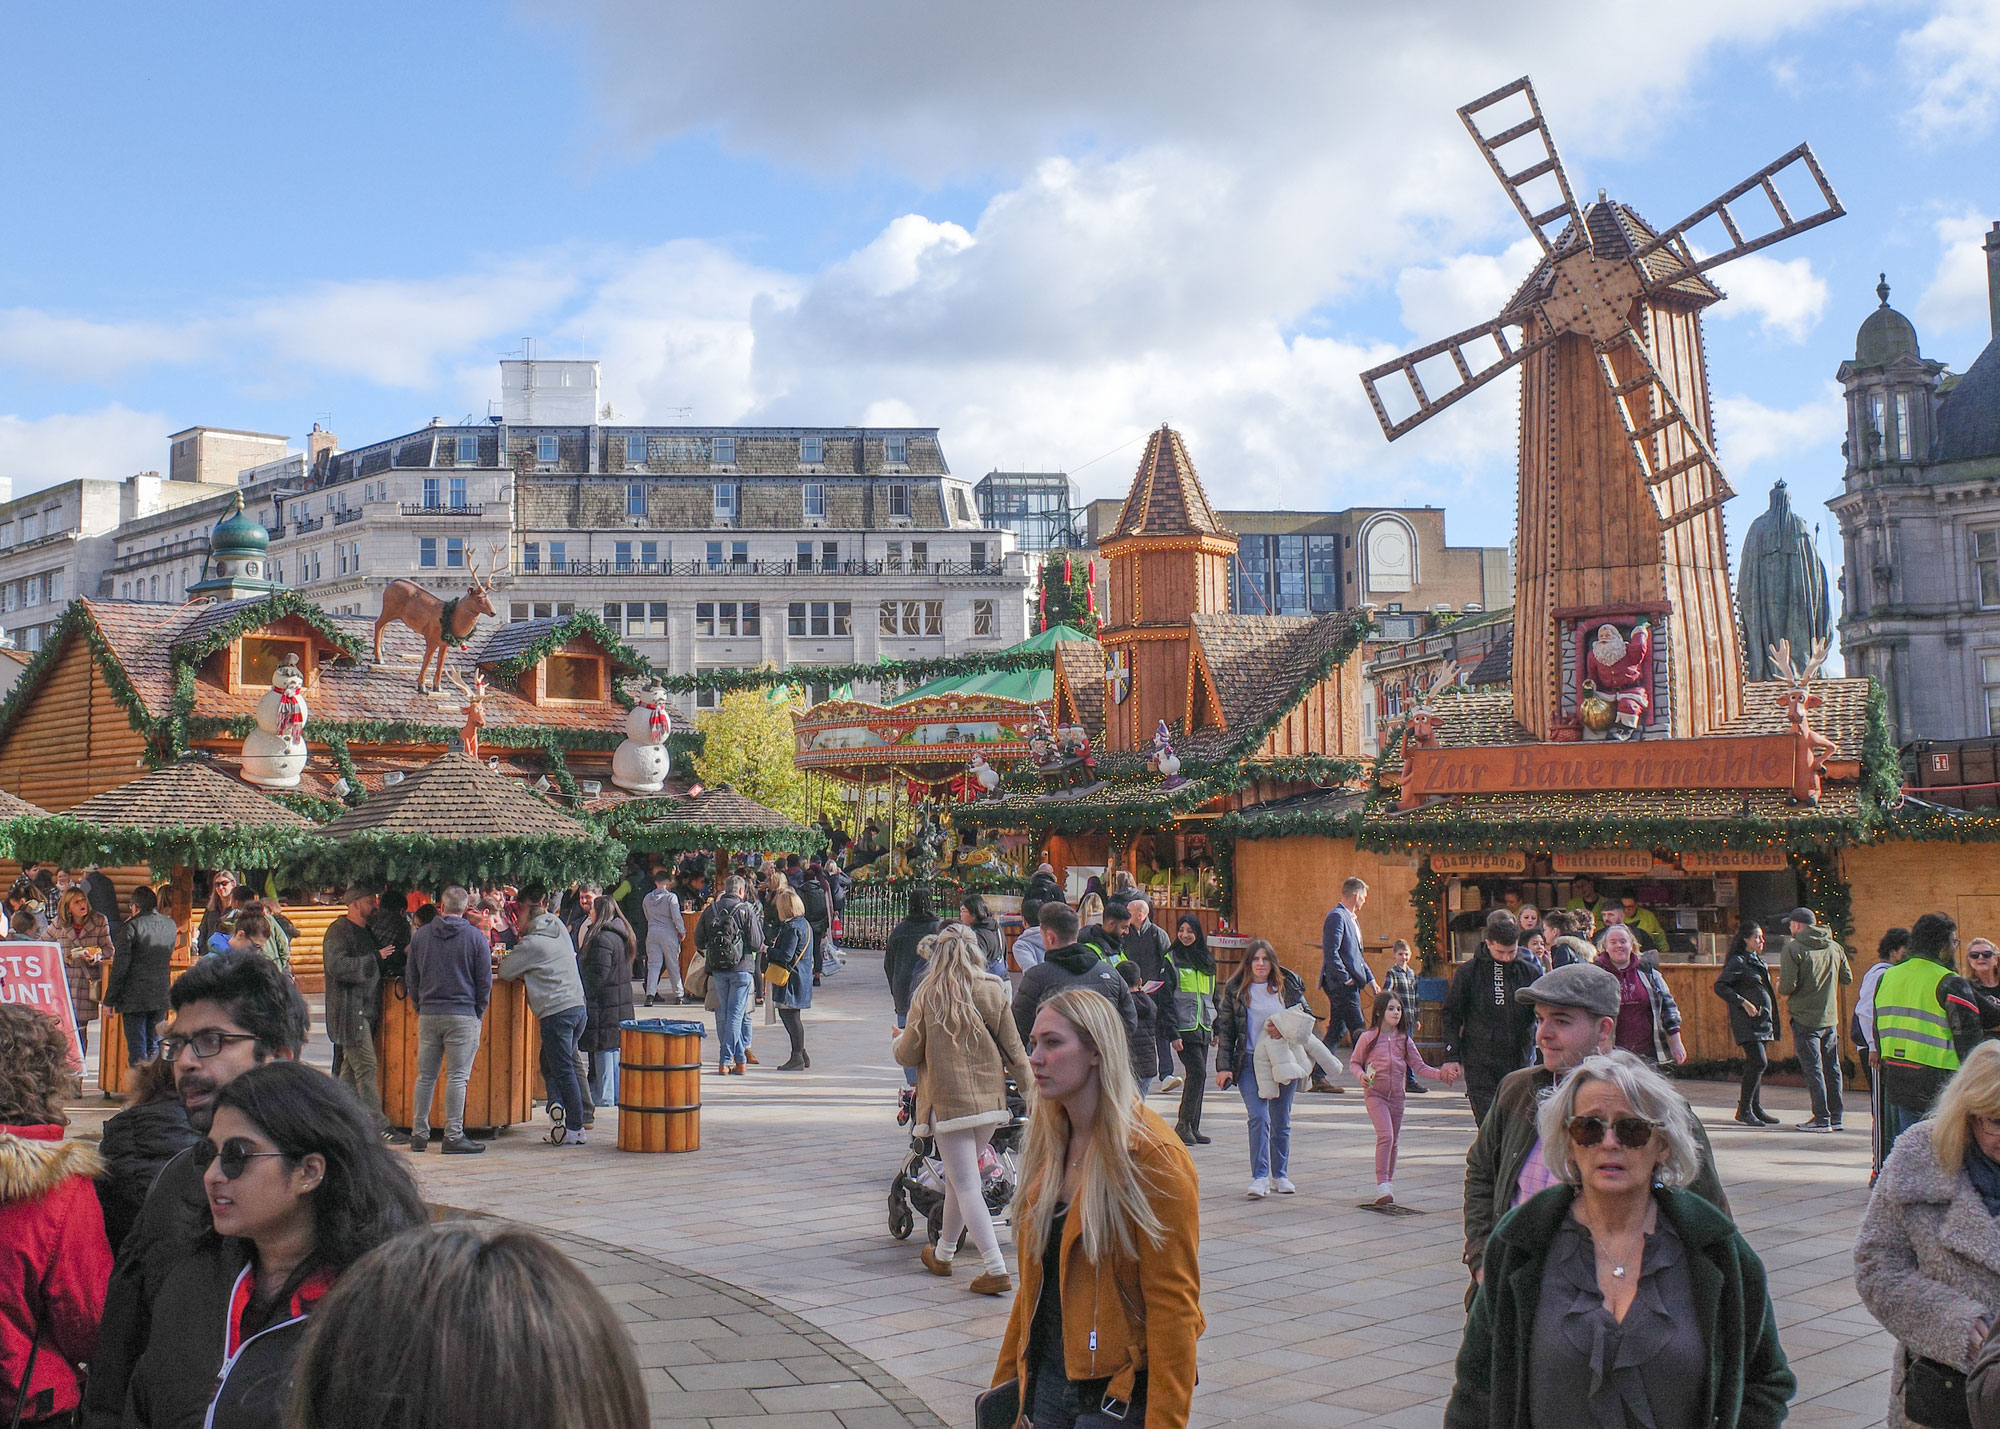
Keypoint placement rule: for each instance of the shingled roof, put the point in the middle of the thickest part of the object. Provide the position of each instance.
(1616, 231)
(182, 795)
(12, 806)
(723, 808)
(1080, 664)
(1263, 663)
(1166, 498)
(1496, 666)
(457, 797)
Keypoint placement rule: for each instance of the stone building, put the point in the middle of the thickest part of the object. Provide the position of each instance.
(1920, 525)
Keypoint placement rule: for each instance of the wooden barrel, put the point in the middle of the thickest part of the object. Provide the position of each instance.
(659, 1086)
(497, 1093)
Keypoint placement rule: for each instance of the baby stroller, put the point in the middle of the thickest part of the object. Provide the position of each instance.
(919, 1187)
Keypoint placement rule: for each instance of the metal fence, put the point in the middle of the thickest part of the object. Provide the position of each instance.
(874, 908)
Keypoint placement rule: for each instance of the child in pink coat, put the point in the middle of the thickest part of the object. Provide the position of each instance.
(1384, 1058)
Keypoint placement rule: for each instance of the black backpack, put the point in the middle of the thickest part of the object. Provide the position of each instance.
(813, 896)
(722, 945)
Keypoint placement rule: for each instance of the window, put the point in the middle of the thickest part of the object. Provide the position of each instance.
(805, 556)
(518, 610)
(795, 618)
(704, 617)
(431, 489)
(614, 617)
(6, 533)
(262, 655)
(899, 499)
(933, 617)
(739, 553)
(315, 563)
(812, 449)
(725, 501)
(1903, 426)
(125, 590)
(829, 555)
(558, 557)
(753, 617)
(920, 559)
(734, 618)
(1989, 676)
(896, 449)
(635, 498)
(888, 625)
(468, 449)
(454, 553)
(340, 560)
(723, 451)
(820, 617)
(978, 550)
(624, 550)
(635, 451)
(815, 501)
(572, 677)
(30, 526)
(35, 638)
(1986, 562)
(1877, 423)
(354, 556)
(531, 555)
(35, 591)
(55, 586)
(962, 506)
(895, 561)
(546, 448)
(457, 489)
(649, 554)
(982, 617)
(715, 553)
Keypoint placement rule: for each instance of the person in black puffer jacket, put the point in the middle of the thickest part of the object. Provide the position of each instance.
(900, 963)
(1071, 963)
(151, 1131)
(606, 966)
(1488, 1031)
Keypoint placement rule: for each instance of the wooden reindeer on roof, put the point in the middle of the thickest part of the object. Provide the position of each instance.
(441, 622)
(475, 709)
(1426, 720)
(1810, 749)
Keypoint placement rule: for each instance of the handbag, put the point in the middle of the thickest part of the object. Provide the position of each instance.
(1934, 1394)
(998, 1407)
(696, 981)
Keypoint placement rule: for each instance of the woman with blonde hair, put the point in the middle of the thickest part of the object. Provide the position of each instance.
(85, 940)
(1090, 910)
(1927, 1261)
(962, 1040)
(1616, 1296)
(1106, 1224)
(791, 951)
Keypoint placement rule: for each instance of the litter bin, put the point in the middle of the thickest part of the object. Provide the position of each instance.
(659, 1086)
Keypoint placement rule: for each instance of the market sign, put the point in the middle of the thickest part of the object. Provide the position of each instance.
(1746, 761)
(1735, 860)
(1604, 860)
(32, 975)
(1515, 862)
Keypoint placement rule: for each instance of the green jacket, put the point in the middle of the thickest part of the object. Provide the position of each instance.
(1749, 1383)
(1505, 1140)
(1810, 971)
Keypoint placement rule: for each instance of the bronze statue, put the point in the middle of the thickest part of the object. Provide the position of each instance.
(1782, 589)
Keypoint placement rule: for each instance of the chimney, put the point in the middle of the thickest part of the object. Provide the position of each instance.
(1993, 275)
(319, 446)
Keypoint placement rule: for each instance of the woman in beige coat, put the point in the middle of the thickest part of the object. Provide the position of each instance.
(963, 1043)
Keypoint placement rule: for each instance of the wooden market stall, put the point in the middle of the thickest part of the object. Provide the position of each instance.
(458, 821)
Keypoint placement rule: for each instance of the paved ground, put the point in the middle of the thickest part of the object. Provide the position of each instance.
(1320, 1313)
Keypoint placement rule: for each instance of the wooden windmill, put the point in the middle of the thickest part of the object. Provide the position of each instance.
(1620, 490)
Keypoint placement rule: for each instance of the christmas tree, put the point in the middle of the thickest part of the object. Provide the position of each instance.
(1066, 593)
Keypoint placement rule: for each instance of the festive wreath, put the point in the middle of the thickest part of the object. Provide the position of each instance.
(444, 623)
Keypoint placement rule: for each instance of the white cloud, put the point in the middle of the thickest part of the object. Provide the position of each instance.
(1954, 60)
(1785, 296)
(1464, 290)
(1957, 295)
(109, 444)
(1748, 432)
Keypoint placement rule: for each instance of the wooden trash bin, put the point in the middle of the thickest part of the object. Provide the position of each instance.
(497, 1093)
(659, 1086)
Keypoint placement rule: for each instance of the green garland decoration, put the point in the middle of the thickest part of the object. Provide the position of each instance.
(446, 636)
(1881, 765)
(914, 672)
(72, 843)
(1823, 890)
(1427, 902)
(343, 763)
(311, 806)
(1915, 820)
(583, 623)
(677, 836)
(416, 860)
(253, 617)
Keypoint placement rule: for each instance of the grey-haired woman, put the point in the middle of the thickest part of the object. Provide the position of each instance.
(1614, 1296)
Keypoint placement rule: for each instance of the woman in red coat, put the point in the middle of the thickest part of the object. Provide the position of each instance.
(51, 1230)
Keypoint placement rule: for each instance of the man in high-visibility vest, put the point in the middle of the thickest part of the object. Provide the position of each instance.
(1926, 1020)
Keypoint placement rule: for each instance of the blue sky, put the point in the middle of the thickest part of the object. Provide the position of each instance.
(1044, 229)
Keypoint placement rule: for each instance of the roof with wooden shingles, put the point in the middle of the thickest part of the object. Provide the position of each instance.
(723, 808)
(457, 797)
(186, 794)
(1079, 691)
(1166, 498)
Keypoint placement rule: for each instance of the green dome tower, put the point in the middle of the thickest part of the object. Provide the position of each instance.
(238, 566)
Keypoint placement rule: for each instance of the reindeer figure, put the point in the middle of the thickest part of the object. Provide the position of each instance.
(1810, 749)
(440, 622)
(475, 710)
(1424, 720)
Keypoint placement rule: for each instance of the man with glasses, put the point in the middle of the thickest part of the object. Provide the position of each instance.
(1926, 1021)
(1576, 1015)
(232, 1012)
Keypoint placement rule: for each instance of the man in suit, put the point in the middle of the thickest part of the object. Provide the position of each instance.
(1343, 973)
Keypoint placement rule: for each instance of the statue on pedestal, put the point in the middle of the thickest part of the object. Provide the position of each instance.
(1782, 589)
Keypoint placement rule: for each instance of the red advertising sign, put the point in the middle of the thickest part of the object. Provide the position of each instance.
(32, 975)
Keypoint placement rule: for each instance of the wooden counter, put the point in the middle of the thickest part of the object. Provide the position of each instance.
(497, 1095)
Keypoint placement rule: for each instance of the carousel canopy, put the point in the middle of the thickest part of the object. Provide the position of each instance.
(186, 814)
(721, 818)
(1034, 686)
(457, 821)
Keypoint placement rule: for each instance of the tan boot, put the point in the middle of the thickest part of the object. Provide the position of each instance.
(988, 1284)
(932, 1263)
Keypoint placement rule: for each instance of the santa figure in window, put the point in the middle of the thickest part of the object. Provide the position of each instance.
(1621, 668)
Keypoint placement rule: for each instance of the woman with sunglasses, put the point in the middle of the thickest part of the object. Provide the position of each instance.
(1982, 970)
(299, 1187)
(1616, 1296)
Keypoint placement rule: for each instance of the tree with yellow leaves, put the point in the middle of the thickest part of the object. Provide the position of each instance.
(747, 744)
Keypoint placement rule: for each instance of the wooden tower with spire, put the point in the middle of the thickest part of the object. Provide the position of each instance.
(1168, 559)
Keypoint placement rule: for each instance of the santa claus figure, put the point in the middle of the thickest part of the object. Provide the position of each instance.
(1622, 671)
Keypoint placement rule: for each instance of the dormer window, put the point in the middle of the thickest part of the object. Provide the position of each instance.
(725, 502)
(896, 449)
(812, 450)
(546, 449)
(263, 654)
(635, 451)
(723, 451)
(573, 677)
(467, 452)
(815, 501)
(899, 501)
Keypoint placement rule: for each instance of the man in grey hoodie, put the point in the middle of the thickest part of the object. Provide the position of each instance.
(546, 959)
(450, 981)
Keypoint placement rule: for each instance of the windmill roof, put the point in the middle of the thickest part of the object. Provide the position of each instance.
(457, 797)
(188, 793)
(1166, 498)
(1616, 231)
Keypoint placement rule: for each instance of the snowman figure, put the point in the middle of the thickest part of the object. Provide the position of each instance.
(1164, 761)
(274, 753)
(640, 764)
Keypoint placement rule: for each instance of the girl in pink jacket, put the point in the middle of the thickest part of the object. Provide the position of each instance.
(1384, 1057)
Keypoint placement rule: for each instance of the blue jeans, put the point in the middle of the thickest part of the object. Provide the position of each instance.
(1270, 1123)
(732, 1013)
(604, 1077)
(559, 1033)
(910, 1073)
(1819, 1066)
(142, 1037)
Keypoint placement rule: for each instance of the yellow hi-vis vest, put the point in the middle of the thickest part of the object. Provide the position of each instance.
(1910, 1025)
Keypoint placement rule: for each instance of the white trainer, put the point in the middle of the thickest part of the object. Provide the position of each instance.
(1283, 1186)
(1260, 1187)
(1171, 1084)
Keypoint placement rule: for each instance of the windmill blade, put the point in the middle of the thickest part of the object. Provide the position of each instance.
(1650, 413)
(1565, 212)
(1672, 238)
(1469, 381)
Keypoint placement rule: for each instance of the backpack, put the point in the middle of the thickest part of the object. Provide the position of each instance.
(814, 898)
(722, 944)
